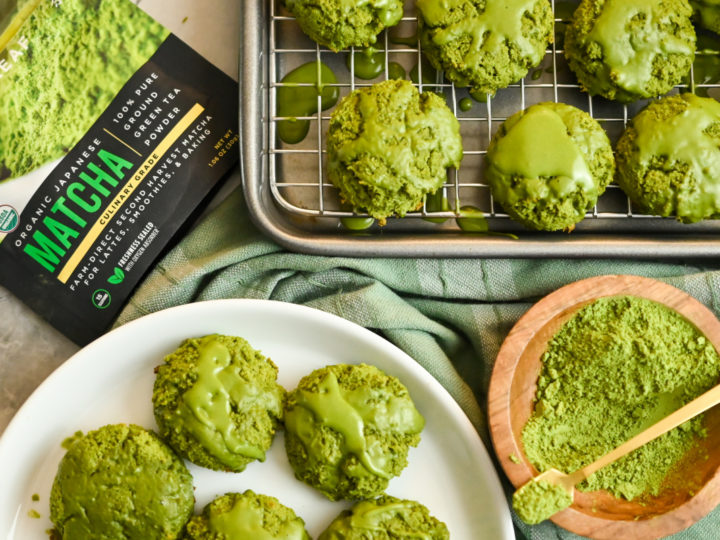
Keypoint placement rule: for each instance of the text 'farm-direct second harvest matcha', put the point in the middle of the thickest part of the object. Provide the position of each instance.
(112, 133)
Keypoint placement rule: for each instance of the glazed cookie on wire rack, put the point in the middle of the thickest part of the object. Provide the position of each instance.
(339, 24)
(669, 158)
(548, 164)
(627, 50)
(389, 146)
(485, 44)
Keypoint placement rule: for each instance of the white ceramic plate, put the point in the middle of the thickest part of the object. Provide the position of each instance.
(111, 380)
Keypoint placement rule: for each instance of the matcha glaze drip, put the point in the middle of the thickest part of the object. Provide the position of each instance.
(553, 155)
(371, 521)
(206, 407)
(246, 520)
(496, 24)
(630, 56)
(348, 412)
(401, 157)
(683, 138)
(366, 63)
(386, 10)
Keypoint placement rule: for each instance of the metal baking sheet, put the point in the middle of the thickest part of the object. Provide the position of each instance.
(291, 199)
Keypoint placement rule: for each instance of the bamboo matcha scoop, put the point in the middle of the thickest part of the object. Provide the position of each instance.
(552, 491)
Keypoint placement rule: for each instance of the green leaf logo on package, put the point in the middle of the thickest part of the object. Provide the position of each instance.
(117, 277)
(112, 132)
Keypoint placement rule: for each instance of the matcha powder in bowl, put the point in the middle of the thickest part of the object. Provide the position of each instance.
(619, 365)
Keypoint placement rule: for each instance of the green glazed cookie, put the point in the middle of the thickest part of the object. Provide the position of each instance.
(707, 13)
(339, 24)
(389, 146)
(547, 165)
(630, 49)
(119, 482)
(669, 158)
(349, 429)
(386, 518)
(250, 516)
(217, 402)
(485, 44)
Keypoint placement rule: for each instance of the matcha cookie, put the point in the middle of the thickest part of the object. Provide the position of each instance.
(669, 158)
(547, 165)
(630, 49)
(386, 518)
(236, 516)
(389, 146)
(485, 44)
(349, 429)
(339, 24)
(707, 13)
(49, 101)
(119, 482)
(217, 402)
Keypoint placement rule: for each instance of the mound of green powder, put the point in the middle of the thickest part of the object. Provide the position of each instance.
(537, 501)
(79, 55)
(616, 367)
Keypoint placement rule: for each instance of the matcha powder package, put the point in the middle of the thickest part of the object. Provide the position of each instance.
(616, 367)
(112, 133)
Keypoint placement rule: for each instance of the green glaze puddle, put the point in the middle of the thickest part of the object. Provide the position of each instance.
(294, 100)
(437, 202)
(480, 97)
(357, 223)
(465, 104)
(369, 63)
(396, 71)
(473, 220)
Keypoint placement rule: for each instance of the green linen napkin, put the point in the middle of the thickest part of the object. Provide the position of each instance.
(451, 315)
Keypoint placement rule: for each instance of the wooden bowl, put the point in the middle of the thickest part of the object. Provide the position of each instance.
(513, 385)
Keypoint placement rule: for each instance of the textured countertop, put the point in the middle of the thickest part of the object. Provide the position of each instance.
(30, 349)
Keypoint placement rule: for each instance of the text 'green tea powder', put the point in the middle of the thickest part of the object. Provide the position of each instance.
(616, 367)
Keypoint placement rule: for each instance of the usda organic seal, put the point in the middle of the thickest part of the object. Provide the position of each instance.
(8, 218)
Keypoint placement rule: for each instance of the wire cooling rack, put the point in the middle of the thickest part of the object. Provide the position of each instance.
(295, 174)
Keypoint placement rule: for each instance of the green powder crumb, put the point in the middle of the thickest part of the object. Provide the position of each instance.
(514, 458)
(537, 501)
(184, 20)
(68, 441)
(34, 514)
(616, 367)
(35, 497)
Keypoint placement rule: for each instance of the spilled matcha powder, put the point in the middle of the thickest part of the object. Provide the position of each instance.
(615, 368)
(537, 501)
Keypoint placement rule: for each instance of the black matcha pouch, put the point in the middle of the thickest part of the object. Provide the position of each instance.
(112, 133)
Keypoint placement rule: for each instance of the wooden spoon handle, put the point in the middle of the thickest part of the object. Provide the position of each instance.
(698, 405)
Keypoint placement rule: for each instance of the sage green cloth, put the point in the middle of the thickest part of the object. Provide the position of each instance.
(451, 315)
